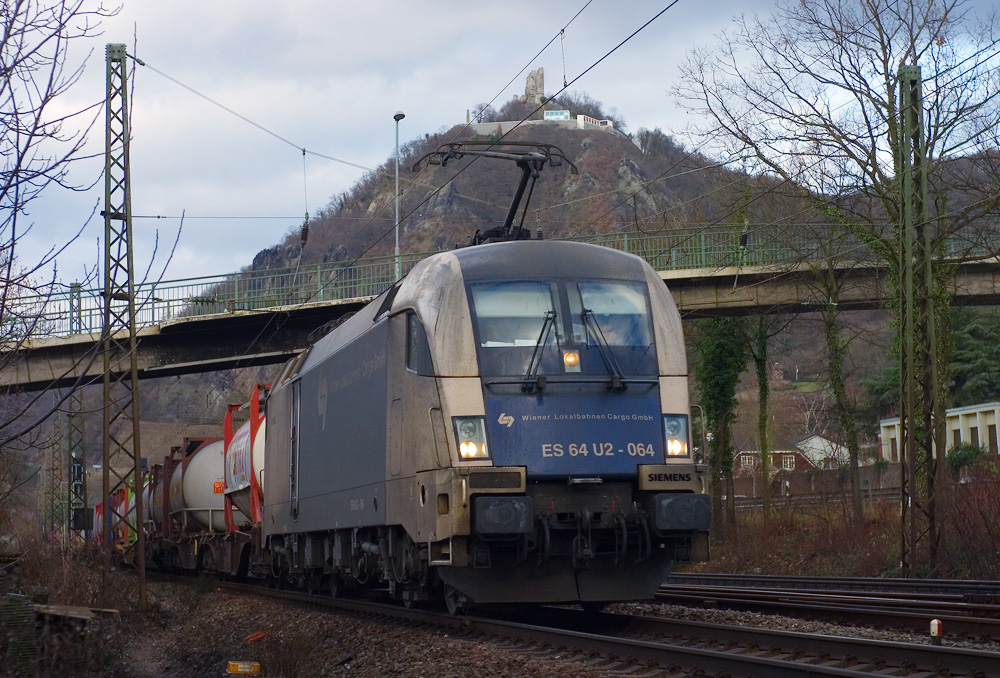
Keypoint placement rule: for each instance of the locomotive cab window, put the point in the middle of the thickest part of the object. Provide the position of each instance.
(512, 318)
(615, 314)
(563, 328)
(418, 352)
(512, 314)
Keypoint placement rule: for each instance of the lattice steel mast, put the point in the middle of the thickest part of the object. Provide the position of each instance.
(122, 451)
(922, 410)
(76, 448)
(51, 480)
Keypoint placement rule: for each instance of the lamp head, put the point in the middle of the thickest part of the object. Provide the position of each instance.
(399, 116)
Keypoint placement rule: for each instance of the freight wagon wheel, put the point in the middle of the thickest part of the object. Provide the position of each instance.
(207, 563)
(244, 567)
(336, 586)
(453, 600)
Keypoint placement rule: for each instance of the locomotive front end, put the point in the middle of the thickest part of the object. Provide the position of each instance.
(579, 472)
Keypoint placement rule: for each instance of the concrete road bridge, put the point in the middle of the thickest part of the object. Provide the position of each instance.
(264, 317)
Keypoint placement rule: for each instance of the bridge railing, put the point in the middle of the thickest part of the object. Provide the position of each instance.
(75, 310)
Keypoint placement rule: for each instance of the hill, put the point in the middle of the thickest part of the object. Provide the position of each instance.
(645, 182)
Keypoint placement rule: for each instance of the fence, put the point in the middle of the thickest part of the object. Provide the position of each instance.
(74, 310)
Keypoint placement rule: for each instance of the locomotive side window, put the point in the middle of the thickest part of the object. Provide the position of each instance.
(418, 352)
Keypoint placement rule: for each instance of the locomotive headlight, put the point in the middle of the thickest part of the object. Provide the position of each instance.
(571, 361)
(470, 433)
(675, 432)
(468, 429)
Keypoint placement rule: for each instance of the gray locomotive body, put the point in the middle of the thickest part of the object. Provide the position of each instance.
(509, 423)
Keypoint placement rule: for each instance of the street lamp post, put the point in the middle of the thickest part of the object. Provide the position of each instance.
(399, 262)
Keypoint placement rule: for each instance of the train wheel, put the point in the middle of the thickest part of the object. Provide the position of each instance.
(453, 601)
(278, 577)
(207, 563)
(336, 586)
(244, 568)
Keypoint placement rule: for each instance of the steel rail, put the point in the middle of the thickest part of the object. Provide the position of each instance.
(929, 603)
(921, 657)
(849, 610)
(737, 659)
(968, 588)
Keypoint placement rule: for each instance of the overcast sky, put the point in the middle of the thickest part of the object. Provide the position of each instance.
(328, 76)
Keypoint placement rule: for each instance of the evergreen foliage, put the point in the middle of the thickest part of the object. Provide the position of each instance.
(722, 354)
(975, 363)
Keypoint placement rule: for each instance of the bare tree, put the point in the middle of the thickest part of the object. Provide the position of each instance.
(39, 143)
(813, 93)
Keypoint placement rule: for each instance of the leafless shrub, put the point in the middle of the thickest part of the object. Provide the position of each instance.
(972, 529)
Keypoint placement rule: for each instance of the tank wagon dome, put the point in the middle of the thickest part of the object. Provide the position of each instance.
(435, 289)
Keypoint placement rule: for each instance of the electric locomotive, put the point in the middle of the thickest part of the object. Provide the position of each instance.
(508, 423)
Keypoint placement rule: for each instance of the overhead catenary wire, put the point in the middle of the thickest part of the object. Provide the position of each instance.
(816, 59)
(532, 60)
(244, 118)
(305, 150)
(518, 124)
(461, 170)
(499, 141)
(663, 175)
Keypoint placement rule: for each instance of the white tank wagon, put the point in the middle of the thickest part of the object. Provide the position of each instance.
(187, 509)
(197, 498)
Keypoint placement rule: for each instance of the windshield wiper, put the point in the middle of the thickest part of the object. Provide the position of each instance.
(532, 382)
(617, 376)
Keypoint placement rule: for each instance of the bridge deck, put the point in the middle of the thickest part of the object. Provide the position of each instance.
(264, 317)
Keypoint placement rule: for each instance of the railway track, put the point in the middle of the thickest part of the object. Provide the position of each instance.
(967, 609)
(649, 646)
(970, 589)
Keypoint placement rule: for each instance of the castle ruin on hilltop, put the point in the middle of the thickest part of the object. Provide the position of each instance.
(534, 87)
(534, 93)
